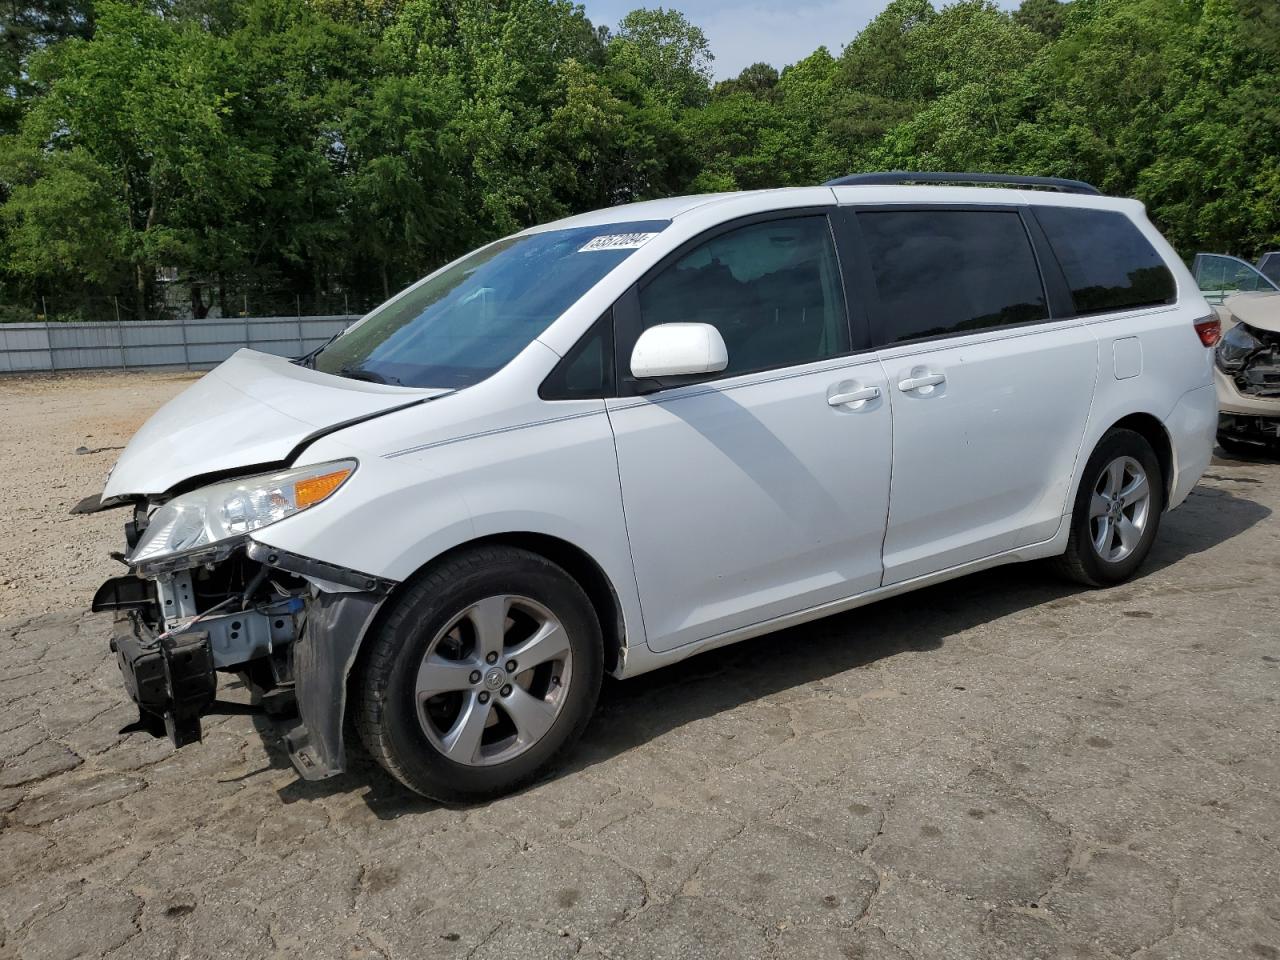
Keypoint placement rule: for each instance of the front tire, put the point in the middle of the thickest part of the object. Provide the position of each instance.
(1117, 511)
(482, 675)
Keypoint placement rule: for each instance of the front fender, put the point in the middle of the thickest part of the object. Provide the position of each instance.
(552, 473)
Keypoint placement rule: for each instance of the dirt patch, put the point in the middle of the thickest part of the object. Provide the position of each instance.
(50, 560)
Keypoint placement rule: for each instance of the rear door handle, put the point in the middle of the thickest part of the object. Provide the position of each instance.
(917, 383)
(853, 396)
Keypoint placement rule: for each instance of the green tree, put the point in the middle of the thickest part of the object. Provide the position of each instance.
(968, 58)
(404, 176)
(758, 80)
(297, 75)
(505, 60)
(352, 145)
(1045, 17)
(1213, 179)
(879, 81)
(742, 143)
(811, 96)
(667, 53)
(610, 142)
(63, 219)
(136, 117)
(883, 60)
(26, 27)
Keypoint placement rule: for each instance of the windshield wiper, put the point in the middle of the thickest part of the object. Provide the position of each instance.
(355, 372)
(309, 359)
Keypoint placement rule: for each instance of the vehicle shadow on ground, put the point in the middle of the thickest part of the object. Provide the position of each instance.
(1268, 454)
(634, 712)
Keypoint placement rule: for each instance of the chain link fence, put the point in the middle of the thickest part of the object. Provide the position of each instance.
(177, 302)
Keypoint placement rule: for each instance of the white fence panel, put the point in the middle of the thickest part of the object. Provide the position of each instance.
(24, 346)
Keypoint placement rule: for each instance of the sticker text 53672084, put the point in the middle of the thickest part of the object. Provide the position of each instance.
(617, 241)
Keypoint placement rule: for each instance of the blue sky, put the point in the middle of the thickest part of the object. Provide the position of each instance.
(775, 31)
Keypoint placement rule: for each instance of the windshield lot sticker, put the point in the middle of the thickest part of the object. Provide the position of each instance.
(617, 241)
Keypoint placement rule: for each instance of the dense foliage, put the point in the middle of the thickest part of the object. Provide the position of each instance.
(316, 154)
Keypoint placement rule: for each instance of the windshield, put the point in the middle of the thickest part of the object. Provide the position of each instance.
(468, 321)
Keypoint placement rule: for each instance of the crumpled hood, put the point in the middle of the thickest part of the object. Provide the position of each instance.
(252, 411)
(1261, 310)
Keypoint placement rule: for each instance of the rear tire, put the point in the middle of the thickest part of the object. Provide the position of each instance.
(482, 675)
(1117, 511)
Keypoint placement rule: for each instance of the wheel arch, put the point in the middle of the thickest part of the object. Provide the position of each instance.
(319, 747)
(1153, 430)
(580, 565)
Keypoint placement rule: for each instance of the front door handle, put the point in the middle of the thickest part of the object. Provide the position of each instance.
(918, 383)
(854, 396)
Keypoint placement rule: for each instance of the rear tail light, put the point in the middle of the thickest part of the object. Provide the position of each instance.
(1209, 329)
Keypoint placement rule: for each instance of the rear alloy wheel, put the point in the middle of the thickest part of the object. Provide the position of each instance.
(482, 675)
(1117, 511)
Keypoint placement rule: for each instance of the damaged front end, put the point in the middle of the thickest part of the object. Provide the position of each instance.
(1250, 357)
(204, 597)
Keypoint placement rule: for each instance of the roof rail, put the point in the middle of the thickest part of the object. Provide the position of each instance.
(1012, 180)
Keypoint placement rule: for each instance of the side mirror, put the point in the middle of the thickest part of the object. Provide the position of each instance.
(678, 350)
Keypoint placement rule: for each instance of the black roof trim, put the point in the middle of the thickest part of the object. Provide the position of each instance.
(1005, 179)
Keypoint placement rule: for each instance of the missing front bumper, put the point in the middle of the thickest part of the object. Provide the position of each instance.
(294, 650)
(169, 678)
(1239, 426)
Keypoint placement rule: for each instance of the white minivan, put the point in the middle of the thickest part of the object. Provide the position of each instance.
(611, 442)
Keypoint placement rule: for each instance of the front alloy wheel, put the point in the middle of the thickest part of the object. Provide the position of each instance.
(480, 675)
(493, 681)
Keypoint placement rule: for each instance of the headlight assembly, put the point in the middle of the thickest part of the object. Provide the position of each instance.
(1235, 347)
(225, 510)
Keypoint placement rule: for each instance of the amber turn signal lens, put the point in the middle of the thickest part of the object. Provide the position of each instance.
(314, 489)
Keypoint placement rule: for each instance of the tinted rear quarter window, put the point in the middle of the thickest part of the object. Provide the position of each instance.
(1108, 263)
(941, 272)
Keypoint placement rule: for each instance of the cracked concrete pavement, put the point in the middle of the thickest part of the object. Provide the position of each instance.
(1000, 767)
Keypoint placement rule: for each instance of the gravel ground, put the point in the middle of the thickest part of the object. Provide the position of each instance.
(1001, 767)
(48, 560)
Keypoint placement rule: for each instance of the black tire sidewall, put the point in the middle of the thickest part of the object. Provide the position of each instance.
(411, 628)
(1117, 443)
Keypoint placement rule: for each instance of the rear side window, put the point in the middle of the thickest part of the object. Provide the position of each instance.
(1108, 263)
(941, 272)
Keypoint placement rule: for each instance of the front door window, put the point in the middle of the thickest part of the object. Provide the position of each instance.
(772, 290)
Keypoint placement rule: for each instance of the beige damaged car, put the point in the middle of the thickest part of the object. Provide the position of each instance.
(1247, 373)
